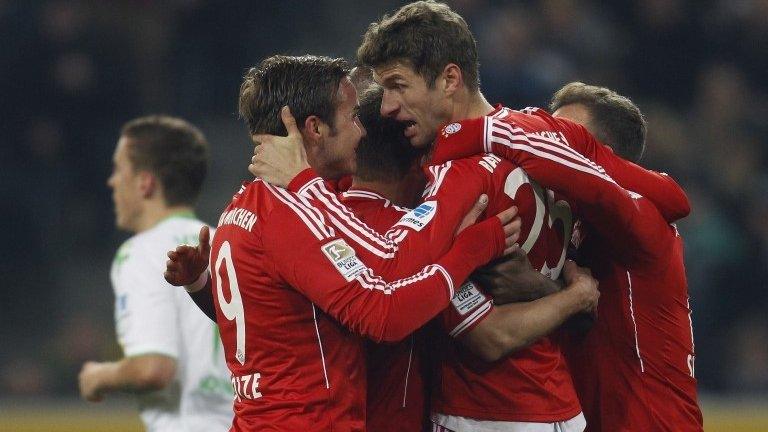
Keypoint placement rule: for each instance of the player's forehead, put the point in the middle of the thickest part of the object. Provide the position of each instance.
(397, 69)
(346, 96)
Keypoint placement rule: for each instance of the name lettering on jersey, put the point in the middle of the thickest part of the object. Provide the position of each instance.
(246, 386)
(419, 217)
(467, 298)
(344, 259)
(550, 135)
(239, 217)
(489, 162)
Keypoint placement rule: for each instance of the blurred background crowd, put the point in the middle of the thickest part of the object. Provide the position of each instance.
(71, 72)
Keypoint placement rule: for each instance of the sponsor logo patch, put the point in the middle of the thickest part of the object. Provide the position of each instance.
(344, 259)
(467, 298)
(419, 217)
(451, 129)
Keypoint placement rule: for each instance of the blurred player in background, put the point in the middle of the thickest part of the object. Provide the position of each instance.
(636, 367)
(174, 360)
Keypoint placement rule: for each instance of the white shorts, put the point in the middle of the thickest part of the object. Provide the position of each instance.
(448, 423)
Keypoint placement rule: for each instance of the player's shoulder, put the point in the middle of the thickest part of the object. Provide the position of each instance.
(526, 118)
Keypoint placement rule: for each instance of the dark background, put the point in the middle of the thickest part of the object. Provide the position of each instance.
(71, 72)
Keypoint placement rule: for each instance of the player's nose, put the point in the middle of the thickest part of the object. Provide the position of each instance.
(389, 105)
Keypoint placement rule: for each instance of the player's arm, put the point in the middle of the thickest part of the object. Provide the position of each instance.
(512, 279)
(187, 266)
(417, 239)
(663, 191)
(514, 326)
(310, 258)
(137, 374)
(146, 321)
(614, 212)
(477, 136)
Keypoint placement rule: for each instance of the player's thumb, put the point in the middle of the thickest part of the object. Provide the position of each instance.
(289, 121)
(205, 239)
(474, 213)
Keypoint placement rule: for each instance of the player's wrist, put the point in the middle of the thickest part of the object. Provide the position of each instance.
(199, 284)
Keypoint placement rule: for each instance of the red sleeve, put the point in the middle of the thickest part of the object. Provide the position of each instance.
(468, 308)
(308, 256)
(616, 214)
(660, 189)
(421, 235)
(668, 197)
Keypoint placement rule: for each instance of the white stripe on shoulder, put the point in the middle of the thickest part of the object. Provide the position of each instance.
(304, 212)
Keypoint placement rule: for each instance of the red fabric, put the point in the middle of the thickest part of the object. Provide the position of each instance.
(634, 370)
(267, 248)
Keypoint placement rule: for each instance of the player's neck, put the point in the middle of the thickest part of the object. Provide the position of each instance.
(156, 212)
(471, 105)
(399, 193)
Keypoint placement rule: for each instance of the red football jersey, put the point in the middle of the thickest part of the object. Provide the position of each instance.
(279, 274)
(634, 370)
(533, 384)
(395, 379)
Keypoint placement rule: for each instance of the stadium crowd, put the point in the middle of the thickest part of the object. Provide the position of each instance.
(74, 71)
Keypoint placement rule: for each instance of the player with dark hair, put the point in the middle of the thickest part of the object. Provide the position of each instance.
(425, 58)
(286, 285)
(173, 358)
(663, 394)
(384, 181)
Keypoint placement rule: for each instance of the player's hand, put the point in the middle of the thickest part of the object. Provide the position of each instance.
(511, 223)
(90, 382)
(277, 160)
(509, 219)
(579, 282)
(512, 279)
(474, 213)
(186, 263)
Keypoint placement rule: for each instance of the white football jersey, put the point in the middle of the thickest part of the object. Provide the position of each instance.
(154, 317)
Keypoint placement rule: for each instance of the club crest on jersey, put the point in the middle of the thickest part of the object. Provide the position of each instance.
(451, 129)
(467, 298)
(419, 217)
(344, 259)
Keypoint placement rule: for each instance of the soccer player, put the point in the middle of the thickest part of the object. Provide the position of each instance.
(173, 357)
(635, 370)
(426, 59)
(287, 288)
(384, 179)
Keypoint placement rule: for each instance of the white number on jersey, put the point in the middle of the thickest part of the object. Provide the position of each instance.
(232, 310)
(555, 210)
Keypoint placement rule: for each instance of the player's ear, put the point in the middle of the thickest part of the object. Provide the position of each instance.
(313, 128)
(452, 79)
(147, 184)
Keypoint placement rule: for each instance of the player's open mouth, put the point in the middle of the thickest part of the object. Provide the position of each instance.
(410, 129)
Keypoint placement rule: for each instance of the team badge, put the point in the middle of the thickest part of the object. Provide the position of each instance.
(451, 129)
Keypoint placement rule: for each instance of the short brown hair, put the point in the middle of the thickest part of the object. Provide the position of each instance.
(426, 34)
(307, 84)
(172, 149)
(615, 120)
(384, 153)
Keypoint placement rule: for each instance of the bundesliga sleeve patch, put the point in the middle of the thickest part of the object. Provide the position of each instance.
(419, 217)
(344, 259)
(467, 298)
